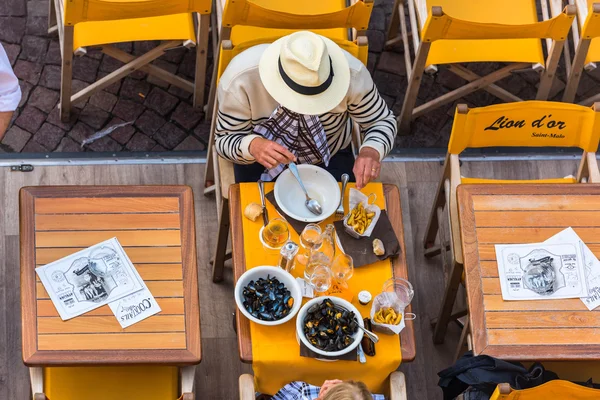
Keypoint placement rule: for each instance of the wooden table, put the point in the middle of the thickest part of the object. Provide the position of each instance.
(155, 225)
(525, 213)
(400, 269)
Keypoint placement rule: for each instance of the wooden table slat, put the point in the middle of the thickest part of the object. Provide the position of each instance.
(112, 341)
(559, 329)
(157, 288)
(147, 237)
(93, 205)
(168, 305)
(85, 222)
(109, 324)
(154, 272)
(143, 255)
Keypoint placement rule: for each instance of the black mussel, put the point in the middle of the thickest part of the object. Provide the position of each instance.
(331, 325)
(264, 299)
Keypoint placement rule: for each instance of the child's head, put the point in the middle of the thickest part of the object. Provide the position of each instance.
(348, 390)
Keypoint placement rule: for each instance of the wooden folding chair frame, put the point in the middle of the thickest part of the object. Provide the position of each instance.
(446, 198)
(415, 70)
(186, 383)
(582, 43)
(132, 63)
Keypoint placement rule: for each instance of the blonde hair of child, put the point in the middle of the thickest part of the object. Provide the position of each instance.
(349, 390)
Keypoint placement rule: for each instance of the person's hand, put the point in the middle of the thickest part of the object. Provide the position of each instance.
(366, 167)
(327, 385)
(270, 154)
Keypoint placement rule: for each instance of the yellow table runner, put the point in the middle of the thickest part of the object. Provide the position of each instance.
(275, 349)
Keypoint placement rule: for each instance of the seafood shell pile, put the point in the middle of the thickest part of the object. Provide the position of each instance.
(267, 299)
(329, 327)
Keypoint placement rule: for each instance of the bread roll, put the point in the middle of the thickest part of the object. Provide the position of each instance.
(378, 248)
(253, 211)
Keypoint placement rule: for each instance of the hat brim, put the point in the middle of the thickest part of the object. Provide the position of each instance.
(321, 103)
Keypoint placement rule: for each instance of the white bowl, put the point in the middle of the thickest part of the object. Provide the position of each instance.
(261, 272)
(320, 185)
(337, 301)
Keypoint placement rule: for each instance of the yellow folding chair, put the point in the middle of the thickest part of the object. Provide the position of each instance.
(524, 124)
(587, 48)
(85, 23)
(557, 389)
(451, 32)
(246, 24)
(397, 387)
(103, 383)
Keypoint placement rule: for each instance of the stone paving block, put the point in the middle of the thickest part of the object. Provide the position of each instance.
(372, 62)
(389, 84)
(149, 122)
(158, 148)
(585, 83)
(53, 55)
(113, 88)
(103, 100)
(169, 136)
(12, 29)
(392, 62)
(127, 47)
(76, 87)
(54, 118)
(122, 134)
(167, 66)
(377, 21)
(376, 40)
(14, 8)
(109, 64)
(142, 47)
(85, 68)
(80, 132)
(190, 143)
(140, 142)
(33, 48)
(25, 91)
(30, 119)
(51, 77)
(94, 116)
(161, 101)
(16, 138)
(44, 99)
(128, 110)
(49, 136)
(187, 116)
(182, 94)
(105, 143)
(175, 55)
(28, 71)
(449, 79)
(95, 53)
(68, 145)
(12, 51)
(202, 131)
(188, 65)
(37, 26)
(37, 8)
(132, 88)
(389, 100)
(34, 147)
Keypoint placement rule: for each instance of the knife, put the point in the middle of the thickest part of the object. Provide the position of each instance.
(261, 188)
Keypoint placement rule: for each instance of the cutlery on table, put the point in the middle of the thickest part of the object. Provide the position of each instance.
(312, 204)
(374, 338)
(361, 355)
(261, 188)
(339, 213)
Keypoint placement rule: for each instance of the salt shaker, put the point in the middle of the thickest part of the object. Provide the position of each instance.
(287, 255)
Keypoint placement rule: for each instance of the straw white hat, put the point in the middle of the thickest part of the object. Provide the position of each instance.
(305, 72)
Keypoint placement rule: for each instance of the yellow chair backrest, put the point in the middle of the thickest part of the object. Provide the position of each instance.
(245, 12)
(441, 26)
(591, 27)
(100, 10)
(526, 124)
(553, 390)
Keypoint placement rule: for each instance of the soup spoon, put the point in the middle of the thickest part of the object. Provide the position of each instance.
(312, 204)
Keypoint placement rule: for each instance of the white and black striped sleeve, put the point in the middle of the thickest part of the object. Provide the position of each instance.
(367, 108)
(233, 129)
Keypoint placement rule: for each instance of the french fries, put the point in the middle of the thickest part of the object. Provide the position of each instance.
(387, 316)
(360, 219)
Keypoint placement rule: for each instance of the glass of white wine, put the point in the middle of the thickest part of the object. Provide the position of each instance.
(320, 280)
(310, 239)
(275, 233)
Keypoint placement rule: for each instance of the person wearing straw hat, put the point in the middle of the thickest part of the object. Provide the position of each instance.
(296, 100)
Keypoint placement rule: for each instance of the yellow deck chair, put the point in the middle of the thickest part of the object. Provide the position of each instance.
(246, 24)
(452, 32)
(397, 387)
(557, 389)
(587, 48)
(100, 23)
(108, 383)
(524, 124)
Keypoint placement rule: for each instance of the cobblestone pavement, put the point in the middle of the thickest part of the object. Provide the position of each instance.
(163, 115)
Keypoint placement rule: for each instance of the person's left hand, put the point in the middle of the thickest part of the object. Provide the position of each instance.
(366, 167)
(327, 385)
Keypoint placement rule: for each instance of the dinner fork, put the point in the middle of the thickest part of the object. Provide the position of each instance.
(339, 213)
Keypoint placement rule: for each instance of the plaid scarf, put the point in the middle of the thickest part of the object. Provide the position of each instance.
(302, 135)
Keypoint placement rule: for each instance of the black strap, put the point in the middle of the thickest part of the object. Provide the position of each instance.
(307, 90)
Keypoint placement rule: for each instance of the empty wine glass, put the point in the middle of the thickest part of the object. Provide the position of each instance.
(342, 268)
(320, 280)
(316, 259)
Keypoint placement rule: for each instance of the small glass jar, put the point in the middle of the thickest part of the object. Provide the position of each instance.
(403, 289)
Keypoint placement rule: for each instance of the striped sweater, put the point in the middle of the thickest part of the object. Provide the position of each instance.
(244, 102)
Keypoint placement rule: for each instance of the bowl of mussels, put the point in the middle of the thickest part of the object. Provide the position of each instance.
(268, 295)
(329, 326)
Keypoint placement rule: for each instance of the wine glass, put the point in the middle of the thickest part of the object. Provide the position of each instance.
(320, 279)
(310, 239)
(342, 268)
(275, 233)
(317, 259)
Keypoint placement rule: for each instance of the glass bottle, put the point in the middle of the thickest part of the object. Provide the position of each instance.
(328, 243)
